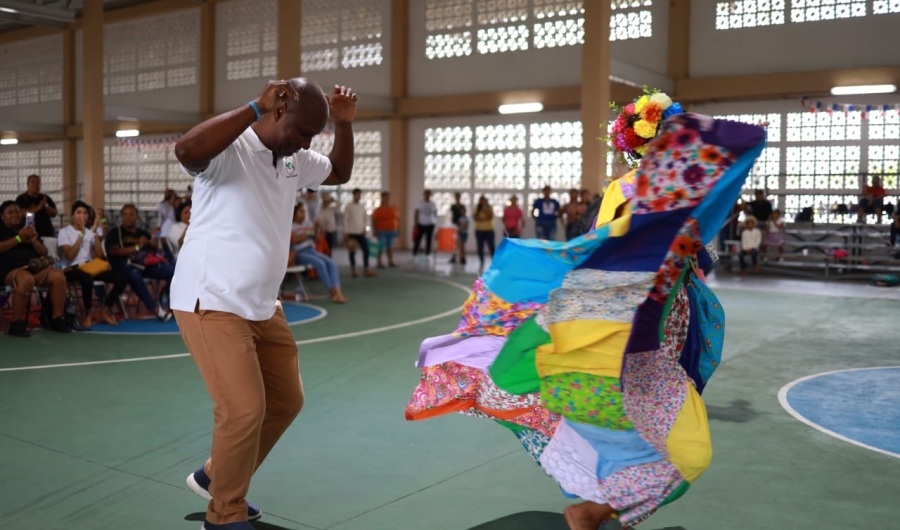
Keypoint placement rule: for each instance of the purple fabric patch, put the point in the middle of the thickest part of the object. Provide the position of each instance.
(737, 137)
(645, 329)
(477, 352)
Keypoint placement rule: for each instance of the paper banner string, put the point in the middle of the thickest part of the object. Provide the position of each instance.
(866, 111)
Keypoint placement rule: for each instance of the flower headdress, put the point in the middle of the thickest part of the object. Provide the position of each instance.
(638, 123)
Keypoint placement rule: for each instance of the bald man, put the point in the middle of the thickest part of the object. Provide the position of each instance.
(248, 165)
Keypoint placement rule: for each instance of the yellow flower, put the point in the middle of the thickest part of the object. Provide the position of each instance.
(642, 150)
(662, 100)
(645, 129)
(639, 104)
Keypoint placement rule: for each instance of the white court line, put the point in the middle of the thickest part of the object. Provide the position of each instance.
(322, 313)
(782, 398)
(382, 329)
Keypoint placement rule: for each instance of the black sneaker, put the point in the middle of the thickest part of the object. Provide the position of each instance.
(18, 329)
(59, 325)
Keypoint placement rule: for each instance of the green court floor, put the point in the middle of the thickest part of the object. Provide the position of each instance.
(108, 445)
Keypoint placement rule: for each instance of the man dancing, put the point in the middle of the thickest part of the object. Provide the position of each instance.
(248, 165)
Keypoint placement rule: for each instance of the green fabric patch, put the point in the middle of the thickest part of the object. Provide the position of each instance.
(670, 302)
(516, 429)
(675, 495)
(586, 398)
(515, 370)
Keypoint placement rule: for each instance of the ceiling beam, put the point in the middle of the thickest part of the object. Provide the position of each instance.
(29, 21)
(36, 11)
(780, 86)
(32, 128)
(27, 34)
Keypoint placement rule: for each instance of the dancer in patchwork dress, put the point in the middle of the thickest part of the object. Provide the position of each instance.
(595, 352)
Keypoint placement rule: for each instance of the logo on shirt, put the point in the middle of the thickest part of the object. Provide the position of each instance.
(290, 168)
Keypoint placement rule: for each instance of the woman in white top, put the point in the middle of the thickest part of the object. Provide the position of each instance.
(355, 233)
(79, 245)
(303, 233)
(176, 232)
(326, 221)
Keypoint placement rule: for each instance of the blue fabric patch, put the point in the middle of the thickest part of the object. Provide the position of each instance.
(644, 247)
(716, 207)
(710, 326)
(690, 353)
(526, 270)
(617, 449)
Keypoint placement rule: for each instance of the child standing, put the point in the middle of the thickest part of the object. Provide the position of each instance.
(774, 234)
(751, 238)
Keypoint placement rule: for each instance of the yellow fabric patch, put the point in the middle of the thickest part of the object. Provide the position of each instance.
(590, 346)
(613, 197)
(689, 442)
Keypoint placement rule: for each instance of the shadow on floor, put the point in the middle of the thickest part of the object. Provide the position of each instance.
(258, 525)
(739, 411)
(541, 521)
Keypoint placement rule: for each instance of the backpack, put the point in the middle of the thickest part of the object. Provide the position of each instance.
(884, 280)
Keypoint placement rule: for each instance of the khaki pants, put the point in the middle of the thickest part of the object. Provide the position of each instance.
(252, 374)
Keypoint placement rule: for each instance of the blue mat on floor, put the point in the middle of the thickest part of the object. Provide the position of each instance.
(295, 313)
(861, 406)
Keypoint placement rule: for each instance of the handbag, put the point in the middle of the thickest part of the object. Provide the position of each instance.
(95, 267)
(145, 257)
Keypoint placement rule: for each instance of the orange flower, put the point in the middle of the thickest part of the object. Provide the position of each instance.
(643, 186)
(659, 204)
(679, 194)
(651, 112)
(685, 246)
(710, 154)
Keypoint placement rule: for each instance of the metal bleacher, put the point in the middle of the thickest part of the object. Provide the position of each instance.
(810, 251)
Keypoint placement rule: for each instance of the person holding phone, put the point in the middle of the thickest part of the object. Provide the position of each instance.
(40, 206)
(23, 265)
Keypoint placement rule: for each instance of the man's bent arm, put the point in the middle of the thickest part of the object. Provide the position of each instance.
(206, 141)
(341, 155)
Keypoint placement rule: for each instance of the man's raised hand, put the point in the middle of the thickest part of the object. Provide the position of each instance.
(275, 95)
(343, 104)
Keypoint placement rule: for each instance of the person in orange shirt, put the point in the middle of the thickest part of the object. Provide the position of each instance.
(386, 223)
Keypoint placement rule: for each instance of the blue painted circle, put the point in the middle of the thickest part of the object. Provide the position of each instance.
(295, 314)
(861, 405)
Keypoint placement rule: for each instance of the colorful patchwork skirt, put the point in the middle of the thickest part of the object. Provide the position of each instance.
(594, 352)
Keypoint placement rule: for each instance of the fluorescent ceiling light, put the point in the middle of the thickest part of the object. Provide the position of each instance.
(127, 133)
(863, 89)
(519, 108)
(9, 141)
(8, 10)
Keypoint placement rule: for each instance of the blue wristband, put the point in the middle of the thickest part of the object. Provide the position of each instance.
(255, 109)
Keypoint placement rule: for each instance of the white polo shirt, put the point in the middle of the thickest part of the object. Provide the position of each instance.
(235, 254)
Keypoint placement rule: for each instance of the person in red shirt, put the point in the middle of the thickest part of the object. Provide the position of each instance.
(513, 218)
(386, 224)
(872, 201)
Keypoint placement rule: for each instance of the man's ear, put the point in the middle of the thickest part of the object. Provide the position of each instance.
(279, 113)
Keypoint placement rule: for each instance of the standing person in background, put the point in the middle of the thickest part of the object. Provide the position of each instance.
(545, 211)
(872, 200)
(176, 233)
(386, 223)
(455, 213)
(355, 230)
(247, 165)
(570, 213)
(44, 210)
(327, 221)
(312, 204)
(760, 207)
(426, 218)
(513, 219)
(774, 236)
(484, 228)
(462, 234)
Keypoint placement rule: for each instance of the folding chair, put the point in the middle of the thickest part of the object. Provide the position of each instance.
(297, 271)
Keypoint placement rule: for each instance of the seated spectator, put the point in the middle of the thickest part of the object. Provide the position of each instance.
(23, 265)
(386, 224)
(774, 235)
(303, 235)
(79, 245)
(751, 239)
(44, 210)
(872, 201)
(176, 233)
(132, 251)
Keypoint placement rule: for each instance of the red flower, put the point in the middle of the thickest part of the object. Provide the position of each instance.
(629, 109)
(643, 185)
(620, 124)
(632, 140)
